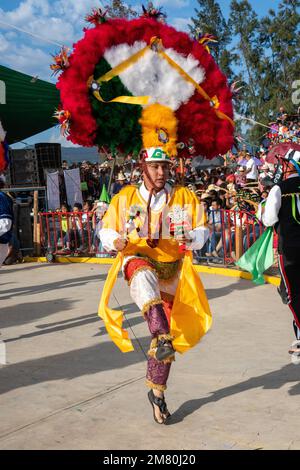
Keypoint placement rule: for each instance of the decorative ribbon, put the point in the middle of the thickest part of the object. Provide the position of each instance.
(141, 100)
(294, 208)
(155, 44)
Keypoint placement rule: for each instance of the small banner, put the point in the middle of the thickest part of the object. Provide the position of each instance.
(73, 186)
(53, 196)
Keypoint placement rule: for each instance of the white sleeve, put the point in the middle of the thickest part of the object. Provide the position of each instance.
(107, 237)
(5, 226)
(199, 237)
(272, 207)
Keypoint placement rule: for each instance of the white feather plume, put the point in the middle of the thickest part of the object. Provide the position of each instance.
(153, 76)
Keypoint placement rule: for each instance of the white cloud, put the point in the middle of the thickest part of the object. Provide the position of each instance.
(4, 44)
(11, 35)
(171, 3)
(60, 21)
(28, 60)
(181, 24)
(55, 29)
(57, 138)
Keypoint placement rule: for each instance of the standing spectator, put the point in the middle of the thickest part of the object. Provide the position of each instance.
(251, 169)
(215, 226)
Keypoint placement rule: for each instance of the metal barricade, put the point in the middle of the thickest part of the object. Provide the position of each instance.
(232, 233)
(71, 234)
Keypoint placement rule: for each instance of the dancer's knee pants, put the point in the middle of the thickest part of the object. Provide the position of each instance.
(145, 292)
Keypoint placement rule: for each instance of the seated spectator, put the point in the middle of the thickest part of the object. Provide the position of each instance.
(215, 227)
(119, 184)
(87, 226)
(240, 177)
(73, 238)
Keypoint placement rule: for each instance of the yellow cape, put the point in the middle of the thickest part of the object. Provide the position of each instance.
(190, 317)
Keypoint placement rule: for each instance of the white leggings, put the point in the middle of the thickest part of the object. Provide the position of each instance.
(146, 287)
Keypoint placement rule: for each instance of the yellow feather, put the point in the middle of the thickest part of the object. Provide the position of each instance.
(157, 117)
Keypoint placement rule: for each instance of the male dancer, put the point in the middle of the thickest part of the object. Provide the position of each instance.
(152, 227)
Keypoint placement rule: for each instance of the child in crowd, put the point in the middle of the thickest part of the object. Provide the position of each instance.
(100, 209)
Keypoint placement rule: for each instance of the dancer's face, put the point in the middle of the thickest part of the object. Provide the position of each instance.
(158, 174)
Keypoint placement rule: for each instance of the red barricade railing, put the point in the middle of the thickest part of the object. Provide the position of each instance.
(71, 233)
(232, 232)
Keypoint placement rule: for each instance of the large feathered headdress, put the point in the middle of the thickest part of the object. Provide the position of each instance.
(140, 83)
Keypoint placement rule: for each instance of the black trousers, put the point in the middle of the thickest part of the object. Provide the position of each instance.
(289, 264)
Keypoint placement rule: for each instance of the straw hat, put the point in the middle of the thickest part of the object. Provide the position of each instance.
(121, 177)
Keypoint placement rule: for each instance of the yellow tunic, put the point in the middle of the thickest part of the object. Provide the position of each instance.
(190, 317)
(168, 248)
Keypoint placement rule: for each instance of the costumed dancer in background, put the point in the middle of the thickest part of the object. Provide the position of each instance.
(282, 210)
(146, 225)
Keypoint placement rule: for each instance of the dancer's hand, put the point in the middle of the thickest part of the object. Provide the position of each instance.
(120, 244)
(183, 239)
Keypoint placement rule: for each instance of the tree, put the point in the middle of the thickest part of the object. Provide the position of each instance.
(209, 19)
(118, 9)
(279, 34)
(269, 59)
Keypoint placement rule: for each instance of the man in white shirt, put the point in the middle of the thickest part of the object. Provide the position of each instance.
(251, 169)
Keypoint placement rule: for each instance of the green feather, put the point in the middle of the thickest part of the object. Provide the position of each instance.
(118, 123)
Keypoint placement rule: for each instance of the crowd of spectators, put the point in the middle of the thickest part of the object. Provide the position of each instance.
(240, 183)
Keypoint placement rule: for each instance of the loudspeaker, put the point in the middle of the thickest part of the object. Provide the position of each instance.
(23, 227)
(23, 169)
(48, 158)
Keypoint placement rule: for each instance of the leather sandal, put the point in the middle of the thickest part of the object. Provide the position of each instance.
(160, 402)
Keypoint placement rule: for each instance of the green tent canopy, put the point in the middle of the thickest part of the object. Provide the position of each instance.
(27, 105)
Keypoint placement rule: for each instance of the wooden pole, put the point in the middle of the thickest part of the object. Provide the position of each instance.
(112, 172)
(38, 242)
(238, 241)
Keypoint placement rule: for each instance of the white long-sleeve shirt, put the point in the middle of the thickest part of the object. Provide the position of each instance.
(273, 205)
(199, 235)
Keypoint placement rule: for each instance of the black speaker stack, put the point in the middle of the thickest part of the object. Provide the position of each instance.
(29, 166)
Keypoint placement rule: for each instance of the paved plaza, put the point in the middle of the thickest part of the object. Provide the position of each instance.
(66, 385)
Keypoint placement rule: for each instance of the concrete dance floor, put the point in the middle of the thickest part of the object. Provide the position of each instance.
(66, 385)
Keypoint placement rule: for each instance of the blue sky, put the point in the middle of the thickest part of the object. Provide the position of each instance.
(61, 21)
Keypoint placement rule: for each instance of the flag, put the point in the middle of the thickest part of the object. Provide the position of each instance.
(104, 195)
(259, 257)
